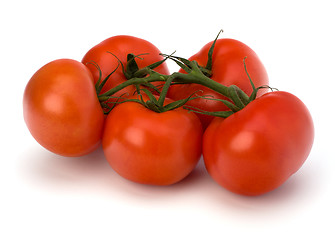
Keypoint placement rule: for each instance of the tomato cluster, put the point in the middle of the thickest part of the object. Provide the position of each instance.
(154, 126)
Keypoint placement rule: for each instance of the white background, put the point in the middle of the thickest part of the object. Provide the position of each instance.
(44, 196)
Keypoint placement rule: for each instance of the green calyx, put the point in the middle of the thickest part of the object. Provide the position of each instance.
(143, 78)
(210, 53)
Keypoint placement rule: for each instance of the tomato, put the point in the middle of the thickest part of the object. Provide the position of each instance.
(121, 46)
(227, 69)
(258, 148)
(149, 147)
(61, 108)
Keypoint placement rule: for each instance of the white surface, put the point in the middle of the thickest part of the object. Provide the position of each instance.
(45, 196)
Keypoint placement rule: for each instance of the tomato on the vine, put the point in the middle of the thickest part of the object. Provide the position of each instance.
(258, 148)
(150, 147)
(109, 52)
(61, 108)
(227, 69)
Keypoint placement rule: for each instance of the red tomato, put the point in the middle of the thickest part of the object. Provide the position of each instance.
(258, 148)
(149, 147)
(228, 69)
(61, 108)
(121, 46)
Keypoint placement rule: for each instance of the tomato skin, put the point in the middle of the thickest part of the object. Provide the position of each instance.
(258, 148)
(120, 46)
(61, 108)
(152, 148)
(228, 69)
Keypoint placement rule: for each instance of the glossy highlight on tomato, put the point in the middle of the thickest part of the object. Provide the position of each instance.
(61, 108)
(227, 69)
(258, 148)
(149, 147)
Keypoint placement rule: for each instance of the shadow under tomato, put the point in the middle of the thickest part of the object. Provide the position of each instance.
(93, 173)
(152, 193)
(43, 167)
(298, 193)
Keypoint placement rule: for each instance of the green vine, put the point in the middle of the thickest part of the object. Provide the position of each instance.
(195, 74)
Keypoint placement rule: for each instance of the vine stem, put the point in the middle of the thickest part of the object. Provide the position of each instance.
(195, 76)
(154, 77)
